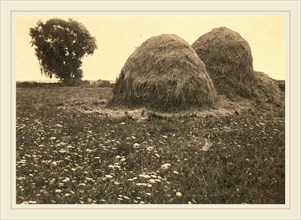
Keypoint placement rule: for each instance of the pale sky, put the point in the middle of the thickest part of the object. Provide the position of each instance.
(118, 36)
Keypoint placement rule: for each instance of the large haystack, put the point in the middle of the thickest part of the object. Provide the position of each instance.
(228, 60)
(164, 74)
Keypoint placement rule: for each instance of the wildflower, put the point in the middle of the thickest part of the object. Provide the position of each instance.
(118, 167)
(148, 194)
(69, 147)
(67, 179)
(32, 202)
(165, 166)
(144, 176)
(139, 184)
(89, 179)
(108, 176)
(152, 181)
(178, 194)
(136, 145)
(58, 190)
(175, 172)
(149, 148)
(123, 159)
(54, 164)
(21, 178)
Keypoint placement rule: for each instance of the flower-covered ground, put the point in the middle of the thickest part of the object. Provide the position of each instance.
(66, 153)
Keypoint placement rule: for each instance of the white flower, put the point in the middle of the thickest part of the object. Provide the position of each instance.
(152, 181)
(108, 176)
(54, 163)
(67, 179)
(178, 194)
(144, 176)
(165, 166)
(136, 145)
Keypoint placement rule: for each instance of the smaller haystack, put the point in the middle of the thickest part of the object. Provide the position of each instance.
(228, 60)
(164, 74)
(268, 90)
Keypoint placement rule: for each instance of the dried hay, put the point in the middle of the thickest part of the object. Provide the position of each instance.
(228, 60)
(164, 74)
(267, 90)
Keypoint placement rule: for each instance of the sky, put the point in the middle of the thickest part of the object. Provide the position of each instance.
(118, 36)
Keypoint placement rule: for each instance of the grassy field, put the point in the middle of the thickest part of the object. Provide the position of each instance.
(69, 154)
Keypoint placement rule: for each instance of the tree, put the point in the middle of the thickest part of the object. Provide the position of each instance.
(60, 45)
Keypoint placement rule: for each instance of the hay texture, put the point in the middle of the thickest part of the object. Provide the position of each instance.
(164, 74)
(228, 60)
(268, 90)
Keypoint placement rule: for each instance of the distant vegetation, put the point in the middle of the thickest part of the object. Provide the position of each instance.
(71, 83)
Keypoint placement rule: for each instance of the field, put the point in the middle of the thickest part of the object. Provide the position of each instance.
(71, 150)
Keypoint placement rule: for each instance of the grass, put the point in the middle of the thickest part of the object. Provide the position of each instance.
(67, 156)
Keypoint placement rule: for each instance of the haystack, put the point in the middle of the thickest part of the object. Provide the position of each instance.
(228, 60)
(268, 90)
(164, 74)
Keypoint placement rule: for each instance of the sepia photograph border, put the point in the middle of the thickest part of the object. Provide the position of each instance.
(135, 211)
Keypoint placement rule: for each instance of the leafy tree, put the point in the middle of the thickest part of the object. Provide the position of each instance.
(60, 45)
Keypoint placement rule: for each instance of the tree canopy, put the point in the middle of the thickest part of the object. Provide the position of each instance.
(60, 46)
